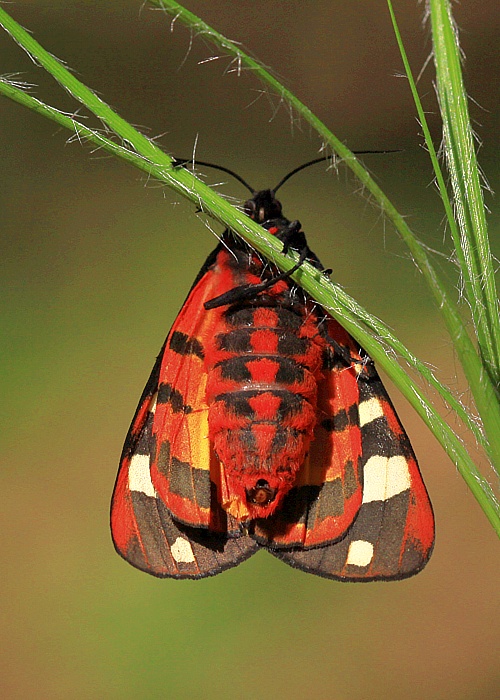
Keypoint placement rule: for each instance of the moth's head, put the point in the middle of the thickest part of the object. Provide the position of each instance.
(263, 206)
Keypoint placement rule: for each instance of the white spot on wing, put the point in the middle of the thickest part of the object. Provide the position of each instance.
(152, 405)
(360, 553)
(385, 477)
(370, 410)
(139, 478)
(182, 551)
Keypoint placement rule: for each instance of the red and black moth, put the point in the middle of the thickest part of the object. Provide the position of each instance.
(265, 426)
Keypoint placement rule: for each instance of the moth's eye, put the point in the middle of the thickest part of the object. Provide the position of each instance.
(250, 208)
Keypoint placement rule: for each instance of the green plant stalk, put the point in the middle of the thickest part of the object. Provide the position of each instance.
(484, 390)
(479, 276)
(84, 133)
(185, 183)
(461, 254)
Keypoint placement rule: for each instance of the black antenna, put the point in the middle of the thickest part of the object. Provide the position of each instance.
(296, 170)
(320, 160)
(184, 161)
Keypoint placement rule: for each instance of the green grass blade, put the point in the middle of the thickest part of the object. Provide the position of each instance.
(482, 387)
(478, 270)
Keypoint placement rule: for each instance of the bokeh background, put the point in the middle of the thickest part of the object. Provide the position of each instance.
(96, 261)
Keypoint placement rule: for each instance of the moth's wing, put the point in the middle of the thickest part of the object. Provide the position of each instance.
(165, 500)
(328, 492)
(184, 468)
(392, 535)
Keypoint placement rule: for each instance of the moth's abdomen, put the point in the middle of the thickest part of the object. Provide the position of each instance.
(262, 397)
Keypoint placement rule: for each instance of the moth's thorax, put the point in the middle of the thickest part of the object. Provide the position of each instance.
(263, 366)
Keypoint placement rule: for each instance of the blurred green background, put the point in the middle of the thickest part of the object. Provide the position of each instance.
(96, 262)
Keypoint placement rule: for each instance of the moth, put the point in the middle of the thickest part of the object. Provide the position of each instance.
(264, 425)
